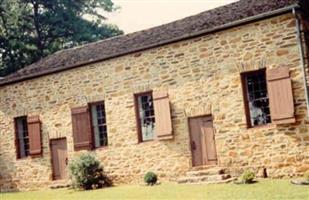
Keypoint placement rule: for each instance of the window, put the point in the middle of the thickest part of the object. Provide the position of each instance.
(22, 138)
(145, 116)
(99, 128)
(89, 126)
(256, 98)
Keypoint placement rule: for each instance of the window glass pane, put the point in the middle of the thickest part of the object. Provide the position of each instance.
(95, 126)
(22, 134)
(258, 101)
(99, 125)
(20, 130)
(146, 116)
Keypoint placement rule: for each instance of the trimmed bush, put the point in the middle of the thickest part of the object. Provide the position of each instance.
(150, 178)
(247, 177)
(306, 175)
(87, 173)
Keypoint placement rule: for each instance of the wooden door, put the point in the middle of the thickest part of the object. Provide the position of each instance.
(202, 141)
(59, 158)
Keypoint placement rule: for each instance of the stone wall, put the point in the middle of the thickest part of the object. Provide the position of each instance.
(202, 76)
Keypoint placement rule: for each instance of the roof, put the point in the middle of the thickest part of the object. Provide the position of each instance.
(120, 45)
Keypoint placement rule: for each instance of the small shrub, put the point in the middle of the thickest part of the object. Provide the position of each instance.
(150, 178)
(87, 173)
(247, 177)
(306, 175)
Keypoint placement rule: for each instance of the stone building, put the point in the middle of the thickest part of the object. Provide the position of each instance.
(225, 88)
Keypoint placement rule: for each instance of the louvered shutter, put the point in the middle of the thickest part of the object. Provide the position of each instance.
(163, 121)
(81, 128)
(280, 96)
(34, 133)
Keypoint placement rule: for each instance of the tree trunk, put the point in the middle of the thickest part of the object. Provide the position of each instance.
(39, 42)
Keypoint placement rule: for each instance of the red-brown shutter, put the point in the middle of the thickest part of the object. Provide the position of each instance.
(163, 122)
(34, 133)
(280, 96)
(81, 128)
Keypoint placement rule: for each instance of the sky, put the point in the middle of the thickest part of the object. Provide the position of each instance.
(135, 15)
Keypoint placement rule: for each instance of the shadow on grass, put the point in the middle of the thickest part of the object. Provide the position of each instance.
(237, 182)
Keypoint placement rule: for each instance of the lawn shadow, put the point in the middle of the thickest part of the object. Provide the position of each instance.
(238, 182)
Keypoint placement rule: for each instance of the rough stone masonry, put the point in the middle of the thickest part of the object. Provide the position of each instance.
(202, 77)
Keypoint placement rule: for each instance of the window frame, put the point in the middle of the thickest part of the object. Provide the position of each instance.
(137, 117)
(91, 123)
(17, 144)
(245, 96)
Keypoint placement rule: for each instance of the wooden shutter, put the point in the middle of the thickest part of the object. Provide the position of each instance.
(163, 122)
(280, 96)
(34, 133)
(81, 128)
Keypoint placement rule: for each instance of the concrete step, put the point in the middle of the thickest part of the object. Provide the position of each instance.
(203, 167)
(205, 178)
(214, 182)
(205, 172)
(60, 184)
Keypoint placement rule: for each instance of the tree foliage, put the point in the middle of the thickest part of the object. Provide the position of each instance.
(33, 29)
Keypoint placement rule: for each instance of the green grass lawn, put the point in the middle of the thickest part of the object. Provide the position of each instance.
(265, 189)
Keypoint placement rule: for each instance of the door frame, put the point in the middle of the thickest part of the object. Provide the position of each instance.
(51, 155)
(210, 116)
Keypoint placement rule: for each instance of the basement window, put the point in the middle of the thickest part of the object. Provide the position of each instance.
(99, 126)
(22, 137)
(256, 98)
(145, 116)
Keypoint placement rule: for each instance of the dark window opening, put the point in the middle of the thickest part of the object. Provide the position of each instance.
(99, 126)
(22, 137)
(256, 98)
(145, 115)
